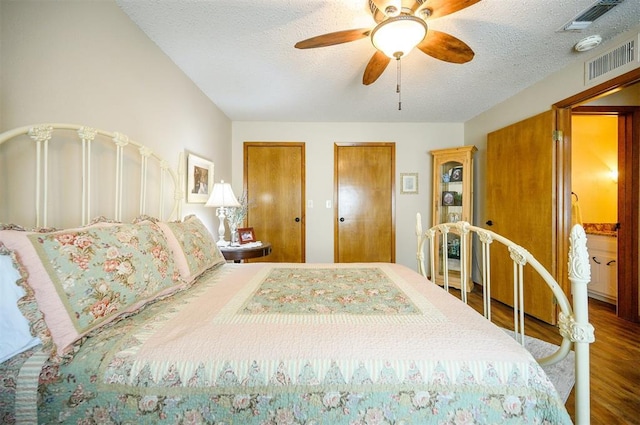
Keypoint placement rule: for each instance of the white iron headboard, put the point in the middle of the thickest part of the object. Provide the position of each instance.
(104, 173)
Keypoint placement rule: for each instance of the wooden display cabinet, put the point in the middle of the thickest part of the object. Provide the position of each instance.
(452, 202)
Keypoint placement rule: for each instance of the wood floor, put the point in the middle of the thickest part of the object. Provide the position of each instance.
(614, 358)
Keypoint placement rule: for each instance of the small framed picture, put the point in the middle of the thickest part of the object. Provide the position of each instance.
(246, 235)
(456, 174)
(409, 183)
(199, 179)
(448, 198)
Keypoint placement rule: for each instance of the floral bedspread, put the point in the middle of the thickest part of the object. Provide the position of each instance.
(298, 344)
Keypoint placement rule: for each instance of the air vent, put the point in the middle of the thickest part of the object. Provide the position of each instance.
(619, 59)
(586, 18)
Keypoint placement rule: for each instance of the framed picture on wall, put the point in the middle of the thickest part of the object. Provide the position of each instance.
(199, 179)
(409, 183)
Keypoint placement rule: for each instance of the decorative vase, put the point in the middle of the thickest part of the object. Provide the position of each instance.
(233, 229)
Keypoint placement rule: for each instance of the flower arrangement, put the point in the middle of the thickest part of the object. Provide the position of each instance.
(236, 215)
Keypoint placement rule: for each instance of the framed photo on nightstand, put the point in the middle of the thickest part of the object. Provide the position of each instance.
(246, 235)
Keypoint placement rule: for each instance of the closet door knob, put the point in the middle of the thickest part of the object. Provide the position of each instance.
(489, 223)
(297, 219)
(341, 219)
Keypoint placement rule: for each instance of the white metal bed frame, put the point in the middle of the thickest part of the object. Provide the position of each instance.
(43, 135)
(573, 323)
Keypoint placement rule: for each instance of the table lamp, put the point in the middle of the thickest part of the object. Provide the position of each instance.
(223, 198)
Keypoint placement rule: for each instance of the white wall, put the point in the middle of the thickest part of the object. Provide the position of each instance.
(86, 62)
(629, 96)
(413, 143)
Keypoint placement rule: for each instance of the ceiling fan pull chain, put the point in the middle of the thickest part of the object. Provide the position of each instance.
(398, 82)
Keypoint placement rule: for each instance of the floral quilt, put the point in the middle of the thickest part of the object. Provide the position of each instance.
(298, 344)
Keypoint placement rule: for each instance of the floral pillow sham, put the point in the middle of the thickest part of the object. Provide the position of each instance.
(85, 278)
(193, 247)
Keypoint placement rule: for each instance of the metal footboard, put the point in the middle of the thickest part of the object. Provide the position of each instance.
(573, 320)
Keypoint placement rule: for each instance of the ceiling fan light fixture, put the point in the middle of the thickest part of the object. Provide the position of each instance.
(398, 35)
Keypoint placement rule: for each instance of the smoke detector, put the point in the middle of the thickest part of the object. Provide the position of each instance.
(588, 43)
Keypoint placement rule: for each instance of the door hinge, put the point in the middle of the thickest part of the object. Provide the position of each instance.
(557, 135)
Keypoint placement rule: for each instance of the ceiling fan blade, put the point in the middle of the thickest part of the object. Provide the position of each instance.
(440, 8)
(445, 47)
(330, 39)
(376, 66)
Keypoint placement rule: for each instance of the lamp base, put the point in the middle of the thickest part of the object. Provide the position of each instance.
(221, 231)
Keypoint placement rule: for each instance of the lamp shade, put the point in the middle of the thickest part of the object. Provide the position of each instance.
(222, 196)
(397, 36)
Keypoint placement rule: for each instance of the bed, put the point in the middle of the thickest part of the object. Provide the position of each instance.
(130, 316)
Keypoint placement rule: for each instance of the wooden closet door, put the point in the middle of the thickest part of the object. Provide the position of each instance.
(521, 206)
(364, 202)
(274, 181)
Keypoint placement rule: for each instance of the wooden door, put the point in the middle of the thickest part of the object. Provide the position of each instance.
(274, 180)
(364, 201)
(629, 215)
(520, 205)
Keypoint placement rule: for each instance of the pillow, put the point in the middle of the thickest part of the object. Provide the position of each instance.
(15, 332)
(86, 277)
(193, 247)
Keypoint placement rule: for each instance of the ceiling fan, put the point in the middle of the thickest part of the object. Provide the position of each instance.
(401, 26)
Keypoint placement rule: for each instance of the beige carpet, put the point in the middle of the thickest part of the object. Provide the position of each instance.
(561, 374)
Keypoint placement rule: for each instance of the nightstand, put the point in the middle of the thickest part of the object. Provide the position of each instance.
(237, 254)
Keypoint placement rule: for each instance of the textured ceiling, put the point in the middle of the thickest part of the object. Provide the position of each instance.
(241, 55)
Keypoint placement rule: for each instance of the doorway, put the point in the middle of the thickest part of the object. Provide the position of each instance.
(594, 185)
(628, 185)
